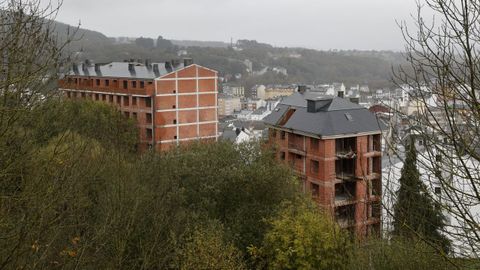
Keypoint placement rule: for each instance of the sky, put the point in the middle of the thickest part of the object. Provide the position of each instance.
(316, 24)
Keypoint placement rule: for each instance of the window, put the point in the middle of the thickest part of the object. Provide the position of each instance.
(97, 82)
(174, 121)
(174, 91)
(148, 102)
(76, 80)
(126, 101)
(134, 84)
(127, 114)
(119, 100)
(142, 84)
(97, 97)
(282, 155)
(104, 97)
(273, 133)
(315, 189)
(149, 133)
(314, 144)
(149, 118)
(110, 98)
(125, 84)
(150, 82)
(173, 106)
(349, 117)
(83, 95)
(69, 95)
(107, 82)
(314, 166)
(282, 135)
(134, 101)
(175, 137)
(134, 115)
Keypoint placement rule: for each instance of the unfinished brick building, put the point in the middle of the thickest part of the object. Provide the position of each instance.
(335, 147)
(172, 102)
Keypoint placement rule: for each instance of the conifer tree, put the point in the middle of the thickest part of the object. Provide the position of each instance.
(416, 215)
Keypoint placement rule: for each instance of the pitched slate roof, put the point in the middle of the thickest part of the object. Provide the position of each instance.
(121, 70)
(336, 116)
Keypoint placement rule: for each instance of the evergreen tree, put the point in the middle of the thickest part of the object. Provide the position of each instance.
(416, 216)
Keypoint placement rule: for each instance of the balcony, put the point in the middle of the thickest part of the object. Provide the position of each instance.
(345, 169)
(88, 85)
(296, 161)
(345, 148)
(375, 188)
(345, 216)
(296, 143)
(345, 193)
(374, 143)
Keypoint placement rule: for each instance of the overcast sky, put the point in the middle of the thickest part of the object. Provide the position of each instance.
(318, 24)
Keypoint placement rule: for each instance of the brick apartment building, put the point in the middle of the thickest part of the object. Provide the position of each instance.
(172, 102)
(335, 147)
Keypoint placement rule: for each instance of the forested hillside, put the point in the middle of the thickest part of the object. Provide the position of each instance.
(302, 65)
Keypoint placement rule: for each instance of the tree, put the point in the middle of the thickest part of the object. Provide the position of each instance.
(443, 77)
(301, 237)
(416, 215)
(206, 248)
(164, 44)
(396, 254)
(146, 43)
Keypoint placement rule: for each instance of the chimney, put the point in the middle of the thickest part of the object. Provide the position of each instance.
(131, 67)
(156, 70)
(341, 94)
(132, 60)
(318, 104)
(168, 66)
(302, 89)
(148, 63)
(355, 100)
(75, 68)
(88, 62)
(187, 62)
(175, 63)
(97, 68)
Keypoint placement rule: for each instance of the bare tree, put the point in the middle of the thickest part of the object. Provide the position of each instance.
(443, 76)
(31, 57)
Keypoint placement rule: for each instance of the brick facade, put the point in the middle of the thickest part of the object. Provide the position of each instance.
(175, 108)
(343, 175)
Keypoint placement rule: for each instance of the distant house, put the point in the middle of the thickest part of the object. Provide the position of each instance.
(239, 131)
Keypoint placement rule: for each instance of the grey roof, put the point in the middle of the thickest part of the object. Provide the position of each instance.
(260, 111)
(340, 117)
(229, 135)
(121, 70)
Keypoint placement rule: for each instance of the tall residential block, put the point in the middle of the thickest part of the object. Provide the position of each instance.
(172, 102)
(335, 148)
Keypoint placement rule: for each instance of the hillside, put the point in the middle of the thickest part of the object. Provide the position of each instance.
(270, 64)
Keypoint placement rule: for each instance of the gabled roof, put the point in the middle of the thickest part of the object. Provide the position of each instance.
(336, 117)
(121, 70)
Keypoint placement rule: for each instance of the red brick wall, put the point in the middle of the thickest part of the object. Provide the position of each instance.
(180, 96)
(325, 154)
